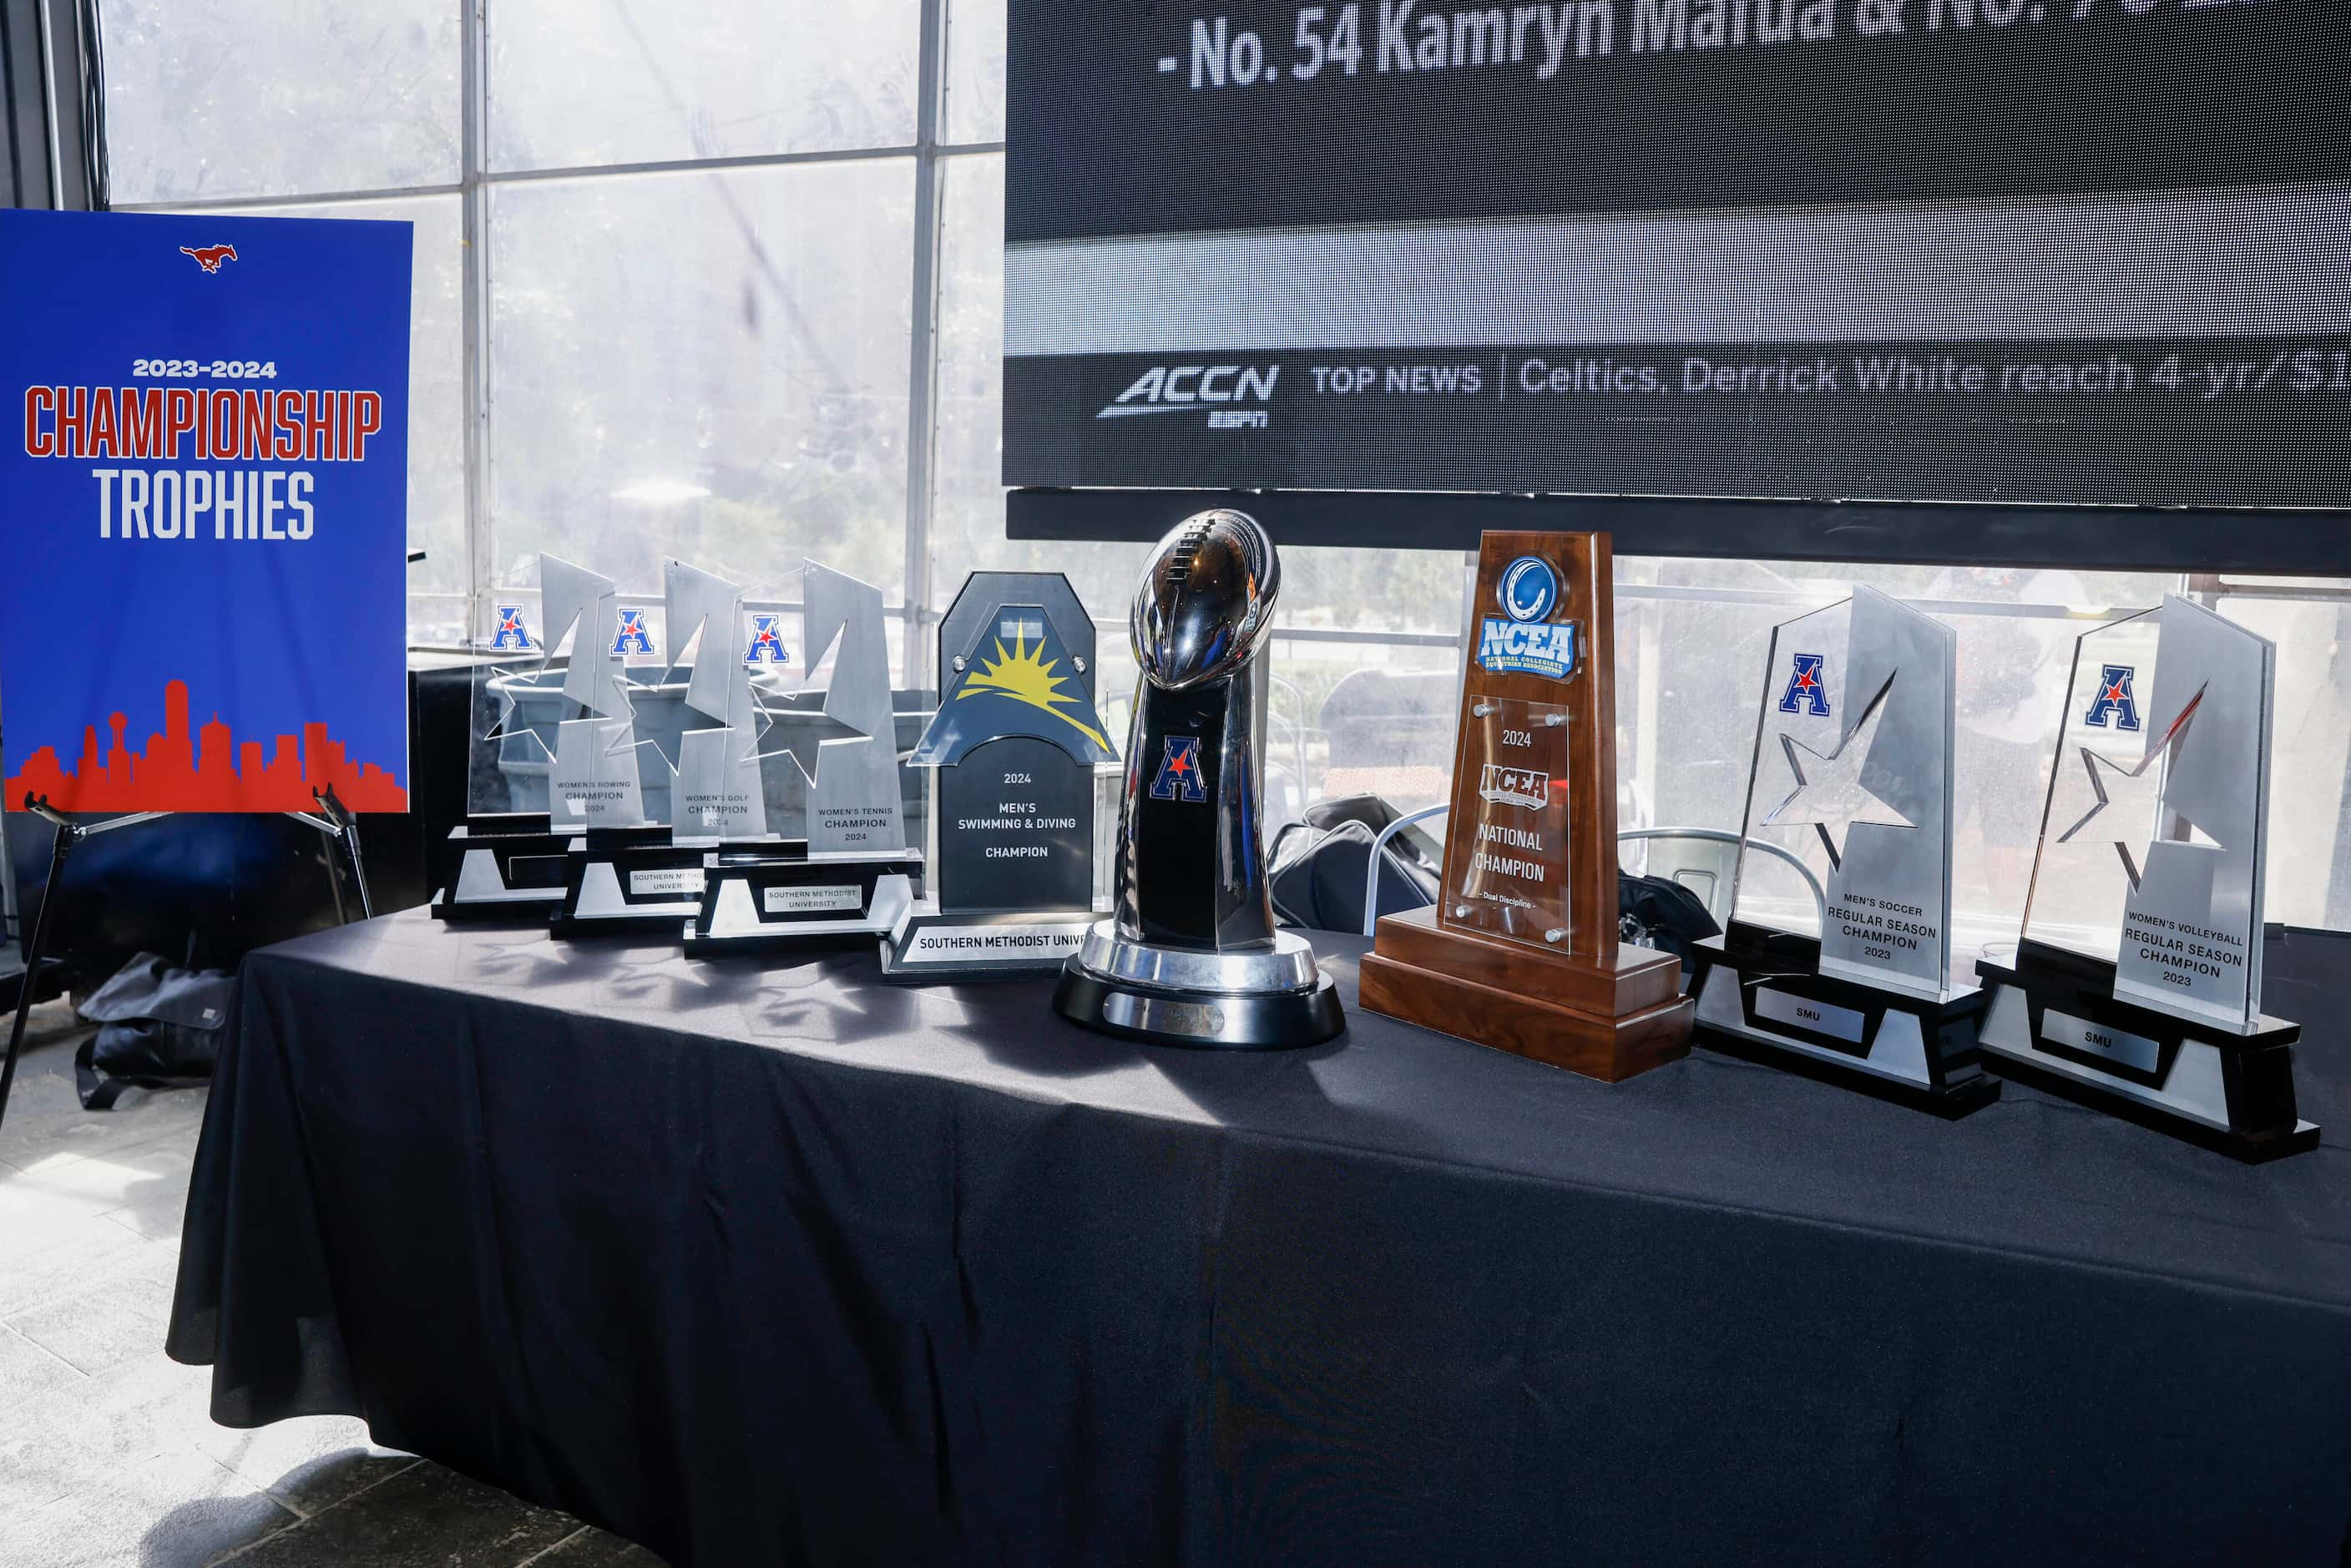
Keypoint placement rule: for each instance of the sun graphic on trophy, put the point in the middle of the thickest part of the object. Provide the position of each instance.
(1026, 675)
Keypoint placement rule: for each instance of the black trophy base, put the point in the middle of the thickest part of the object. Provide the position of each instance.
(639, 880)
(1761, 997)
(502, 869)
(2054, 1023)
(929, 945)
(1207, 1020)
(757, 899)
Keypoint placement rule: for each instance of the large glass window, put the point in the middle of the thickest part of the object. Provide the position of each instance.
(633, 81)
(711, 366)
(215, 100)
(771, 346)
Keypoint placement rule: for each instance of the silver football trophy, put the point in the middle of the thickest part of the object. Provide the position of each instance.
(2136, 984)
(1837, 961)
(1015, 747)
(1192, 956)
(858, 874)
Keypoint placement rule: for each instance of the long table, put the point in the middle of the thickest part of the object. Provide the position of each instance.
(766, 1262)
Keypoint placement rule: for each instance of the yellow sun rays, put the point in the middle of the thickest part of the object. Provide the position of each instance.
(1026, 675)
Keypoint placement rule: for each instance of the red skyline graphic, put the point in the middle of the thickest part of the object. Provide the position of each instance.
(175, 774)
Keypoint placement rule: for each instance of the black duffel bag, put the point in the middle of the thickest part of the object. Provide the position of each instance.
(1318, 865)
(160, 1028)
(1317, 868)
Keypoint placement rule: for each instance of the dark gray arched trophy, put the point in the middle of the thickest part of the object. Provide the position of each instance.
(1192, 957)
(1013, 746)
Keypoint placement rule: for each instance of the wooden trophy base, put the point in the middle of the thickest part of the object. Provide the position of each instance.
(1603, 1020)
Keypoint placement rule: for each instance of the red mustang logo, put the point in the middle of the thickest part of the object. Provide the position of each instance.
(210, 257)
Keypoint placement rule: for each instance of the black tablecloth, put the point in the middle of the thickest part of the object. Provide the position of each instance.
(771, 1263)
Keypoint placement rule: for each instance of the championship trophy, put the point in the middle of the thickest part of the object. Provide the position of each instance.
(650, 877)
(566, 735)
(2136, 987)
(858, 875)
(1521, 950)
(1015, 743)
(1191, 956)
(1852, 764)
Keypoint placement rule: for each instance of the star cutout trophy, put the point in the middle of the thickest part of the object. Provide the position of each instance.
(2135, 985)
(702, 721)
(560, 751)
(1837, 962)
(857, 874)
(1018, 745)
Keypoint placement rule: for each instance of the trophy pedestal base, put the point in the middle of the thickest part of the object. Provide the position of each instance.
(1604, 1021)
(2055, 1023)
(1259, 999)
(1764, 1000)
(1211, 1020)
(755, 898)
(503, 870)
(642, 879)
(927, 944)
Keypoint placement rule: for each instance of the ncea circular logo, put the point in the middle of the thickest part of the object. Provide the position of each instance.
(1527, 589)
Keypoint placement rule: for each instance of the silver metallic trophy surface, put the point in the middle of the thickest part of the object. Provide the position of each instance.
(1192, 956)
(1837, 962)
(2136, 984)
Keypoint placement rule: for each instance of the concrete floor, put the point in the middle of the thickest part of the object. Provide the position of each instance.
(106, 1455)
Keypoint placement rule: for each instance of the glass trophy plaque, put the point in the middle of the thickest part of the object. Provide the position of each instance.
(1837, 962)
(1016, 745)
(690, 675)
(855, 873)
(556, 751)
(2136, 984)
(1521, 950)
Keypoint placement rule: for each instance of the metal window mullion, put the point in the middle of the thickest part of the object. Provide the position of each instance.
(49, 107)
(295, 199)
(922, 370)
(473, 201)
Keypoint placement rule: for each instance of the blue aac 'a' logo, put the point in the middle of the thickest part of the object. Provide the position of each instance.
(1178, 778)
(767, 641)
(1528, 588)
(2115, 698)
(1806, 692)
(633, 637)
(510, 630)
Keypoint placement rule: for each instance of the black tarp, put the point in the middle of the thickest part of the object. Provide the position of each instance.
(770, 1263)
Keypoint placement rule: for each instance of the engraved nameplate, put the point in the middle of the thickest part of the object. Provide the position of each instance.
(812, 900)
(968, 944)
(2132, 1051)
(1803, 1013)
(682, 879)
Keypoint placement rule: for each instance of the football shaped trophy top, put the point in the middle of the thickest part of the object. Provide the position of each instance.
(1191, 956)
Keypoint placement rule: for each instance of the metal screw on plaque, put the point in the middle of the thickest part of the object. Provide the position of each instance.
(1078, 662)
(1556, 934)
(1553, 720)
(1460, 912)
(1482, 709)
(959, 663)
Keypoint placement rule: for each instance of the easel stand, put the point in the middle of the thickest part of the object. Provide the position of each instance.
(332, 819)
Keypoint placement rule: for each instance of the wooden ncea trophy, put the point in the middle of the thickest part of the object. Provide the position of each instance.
(1522, 952)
